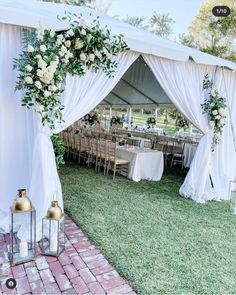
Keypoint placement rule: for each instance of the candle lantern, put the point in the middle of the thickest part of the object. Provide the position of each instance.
(232, 196)
(53, 240)
(22, 213)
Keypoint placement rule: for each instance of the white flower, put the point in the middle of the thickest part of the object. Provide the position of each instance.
(46, 93)
(212, 104)
(43, 48)
(98, 54)
(212, 124)
(52, 33)
(38, 56)
(91, 57)
(28, 80)
(65, 60)
(82, 56)
(222, 112)
(30, 48)
(28, 68)
(222, 122)
(38, 84)
(61, 53)
(60, 37)
(78, 44)
(42, 64)
(39, 108)
(63, 49)
(218, 117)
(58, 43)
(69, 54)
(83, 32)
(214, 113)
(40, 73)
(70, 33)
(68, 43)
(52, 88)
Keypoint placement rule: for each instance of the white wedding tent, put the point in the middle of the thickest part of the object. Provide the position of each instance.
(167, 73)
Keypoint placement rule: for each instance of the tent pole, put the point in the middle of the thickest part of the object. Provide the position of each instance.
(156, 113)
(129, 118)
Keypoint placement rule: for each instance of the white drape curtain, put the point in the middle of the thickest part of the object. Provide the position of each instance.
(80, 96)
(208, 176)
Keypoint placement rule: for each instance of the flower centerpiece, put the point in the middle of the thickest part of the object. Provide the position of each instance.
(49, 56)
(115, 120)
(216, 109)
(90, 119)
(151, 121)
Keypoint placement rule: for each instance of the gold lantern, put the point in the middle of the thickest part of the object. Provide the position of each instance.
(53, 237)
(22, 213)
(232, 196)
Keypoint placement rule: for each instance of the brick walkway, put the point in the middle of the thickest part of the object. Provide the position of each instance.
(80, 269)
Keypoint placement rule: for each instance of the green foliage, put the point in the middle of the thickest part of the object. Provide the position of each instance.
(161, 24)
(50, 55)
(59, 149)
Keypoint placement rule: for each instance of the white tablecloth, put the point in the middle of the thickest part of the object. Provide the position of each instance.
(143, 163)
(189, 152)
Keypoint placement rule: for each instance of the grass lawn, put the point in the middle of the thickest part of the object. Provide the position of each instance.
(161, 243)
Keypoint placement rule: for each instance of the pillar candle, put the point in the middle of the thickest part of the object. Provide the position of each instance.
(53, 244)
(23, 249)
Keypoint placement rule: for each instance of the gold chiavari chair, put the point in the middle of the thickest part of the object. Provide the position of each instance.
(102, 154)
(178, 154)
(115, 163)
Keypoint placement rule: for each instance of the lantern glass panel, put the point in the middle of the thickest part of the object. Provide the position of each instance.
(22, 250)
(53, 241)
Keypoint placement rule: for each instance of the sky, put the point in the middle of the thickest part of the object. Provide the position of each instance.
(182, 11)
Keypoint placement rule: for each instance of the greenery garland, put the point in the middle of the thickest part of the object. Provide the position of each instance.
(216, 108)
(50, 55)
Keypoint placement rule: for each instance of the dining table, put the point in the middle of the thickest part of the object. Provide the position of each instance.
(144, 163)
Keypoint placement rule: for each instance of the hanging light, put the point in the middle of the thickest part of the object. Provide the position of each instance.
(22, 213)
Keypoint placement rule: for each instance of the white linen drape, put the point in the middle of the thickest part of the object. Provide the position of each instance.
(80, 96)
(182, 82)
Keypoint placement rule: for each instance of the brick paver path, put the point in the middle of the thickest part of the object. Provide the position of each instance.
(80, 269)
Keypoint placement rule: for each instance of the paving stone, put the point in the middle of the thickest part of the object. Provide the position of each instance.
(123, 289)
(79, 285)
(52, 289)
(63, 282)
(86, 275)
(51, 258)
(56, 268)
(32, 274)
(46, 276)
(93, 258)
(89, 253)
(29, 264)
(77, 262)
(96, 288)
(112, 283)
(41, 263)
(70, 271)
(97, 263)
(64, 259)
(18, 271)
(108, 276)
(70, 292)
(82, 246)
(102, 269)
(23, 286)
(37, 287)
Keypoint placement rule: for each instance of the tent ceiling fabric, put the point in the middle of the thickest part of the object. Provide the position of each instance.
(30, 13)
(137, 87)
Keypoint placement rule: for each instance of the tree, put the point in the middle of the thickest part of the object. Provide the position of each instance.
(214, 35)
(161, 24)
(136, 21)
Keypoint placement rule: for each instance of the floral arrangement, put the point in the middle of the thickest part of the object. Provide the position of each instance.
(50, 55)
(91, 119)
(182, 122)
(115, 120)
(151, 121)
(215, 107)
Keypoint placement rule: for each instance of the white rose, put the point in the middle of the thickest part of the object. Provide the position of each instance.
(214, 113)
(83, 32)
(46, 93)
(63, 49)
(70, 33)
(42, 64)
(38, 56)
(218, 117)
(222, 112)
(40, 73)
(60, 37)
(30, 48)
(82, 56)
(58, 43)
(38, 84)
(222, 121)
(78, 44)
(52, 33)
(212, 124)
(43, 48)
(68, 43)
(39, 107)
(52, 88)
(65, 60)
(28, 68)
(69, 55)
(91, 57)
(61, 53)
(28, 80)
